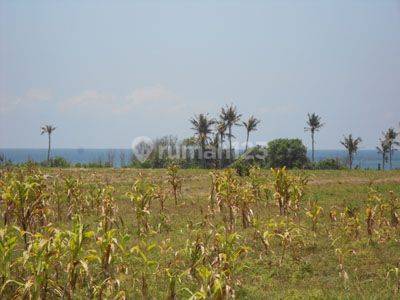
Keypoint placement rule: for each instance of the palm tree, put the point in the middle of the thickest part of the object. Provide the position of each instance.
(202, 127)
(231, 117)
(250, 125)
(214, 143)
(384, 150)
(390, 137)
(220, 129)
(313, 124)
(49, 130)
(351, 145)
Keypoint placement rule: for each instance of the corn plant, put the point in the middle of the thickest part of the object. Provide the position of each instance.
(195, 251)
(298, 194)
(333, 215)
(94, 196)
(5, 181)
(290, 237)
(265, 233)
(226, 260)
(74, 196)
(26, 201)
(245, 199)
(227, 195)
(212, 197)
(57, 197)
(393, 278)
(39, 260)
(108, 244)
(114, 257)
(108, 209)
(175, 181)
(257, 182)
(352, 224)
(370, 220)
(8, 243)
(38, 266)
(394, 206)
(282, 185)
(146, 267)
(161, 196)
(77, 265)
(314, 212)
(342, 272)
(141, 195)
(173, 262)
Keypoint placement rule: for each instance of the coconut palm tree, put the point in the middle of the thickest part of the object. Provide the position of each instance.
(49, 130)
(313, 124)
(351, 144)
(202, 125)
(231, 117)
(220, 131)
(250, 125)
(390, 137)
(383, 149)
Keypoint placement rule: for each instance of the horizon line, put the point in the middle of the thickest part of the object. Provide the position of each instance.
(108, 148)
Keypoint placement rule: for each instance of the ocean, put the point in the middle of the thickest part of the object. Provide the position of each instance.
(365, 159)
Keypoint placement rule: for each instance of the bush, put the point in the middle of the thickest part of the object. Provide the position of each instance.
(56, 162)
(290, 153)
(253, 156)
(329, 164)
(4, 161)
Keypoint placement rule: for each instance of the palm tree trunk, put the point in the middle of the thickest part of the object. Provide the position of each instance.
(230, 144)
(48, 150)
(390, 156)
(247, 140)
(312, 146)
(217, 155)
(202, 154)
(350, 160)
(383, 161)
(222, 152)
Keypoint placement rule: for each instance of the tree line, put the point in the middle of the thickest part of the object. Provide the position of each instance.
(213, 133)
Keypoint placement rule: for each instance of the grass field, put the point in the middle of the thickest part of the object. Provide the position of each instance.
(338, 238)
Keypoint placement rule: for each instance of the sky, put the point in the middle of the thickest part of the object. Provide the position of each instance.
(105, 72)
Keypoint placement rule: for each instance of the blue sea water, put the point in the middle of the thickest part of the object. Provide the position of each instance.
(365, 159)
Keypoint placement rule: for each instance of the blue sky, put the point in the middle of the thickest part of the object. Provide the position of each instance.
(105, 72)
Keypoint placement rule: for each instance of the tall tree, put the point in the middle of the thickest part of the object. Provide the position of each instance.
(351, 144)
(202, 125)
(383, 149)
(214, 142)
(231, 117)
(49, 130)
(390, 137)
(250, 125)
(313, 124)
(220, 129)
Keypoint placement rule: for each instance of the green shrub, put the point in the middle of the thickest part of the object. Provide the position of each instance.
(253, 156)
(329, 164)
(59, 162)
(289, 153)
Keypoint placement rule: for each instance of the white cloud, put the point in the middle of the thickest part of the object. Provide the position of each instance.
(151, 97)
(35, 95)
(150, 94)
(284, 108)
(31, 96)
(155, 98)
(88, 99)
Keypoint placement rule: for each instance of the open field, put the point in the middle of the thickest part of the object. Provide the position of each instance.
(335, 237)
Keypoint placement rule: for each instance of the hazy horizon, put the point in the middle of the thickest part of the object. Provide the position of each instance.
(107, 72)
